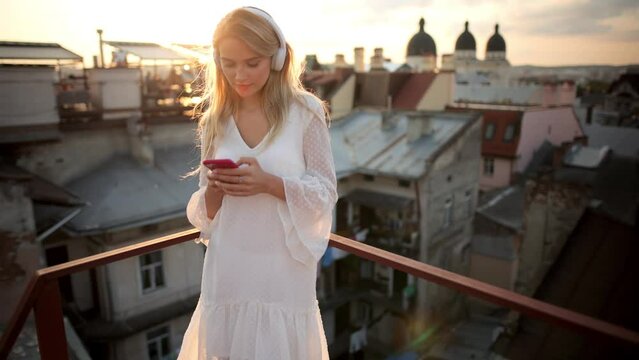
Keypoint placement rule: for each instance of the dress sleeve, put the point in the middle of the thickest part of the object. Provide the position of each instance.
(307, 212)
(196, 209)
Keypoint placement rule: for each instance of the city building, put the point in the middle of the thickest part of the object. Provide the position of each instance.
(408, 183)
(89, 166)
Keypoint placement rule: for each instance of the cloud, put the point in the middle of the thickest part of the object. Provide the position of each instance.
(588, 17)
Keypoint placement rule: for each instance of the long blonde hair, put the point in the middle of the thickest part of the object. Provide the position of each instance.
(219, 100)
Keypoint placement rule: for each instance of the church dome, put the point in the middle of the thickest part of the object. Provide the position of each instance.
(421, 43)
(496, 42)
(466, 41)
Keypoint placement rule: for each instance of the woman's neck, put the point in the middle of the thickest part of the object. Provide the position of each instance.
(250, 103)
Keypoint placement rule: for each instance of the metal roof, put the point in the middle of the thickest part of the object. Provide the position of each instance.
(585, 157)
(363, 142)
(506, 207)
(123, 193)
(35, 51)
(148, 51)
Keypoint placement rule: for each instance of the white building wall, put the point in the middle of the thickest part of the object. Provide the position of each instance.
(342, 100)
(498, 93)
(27, 97)
(116, 89)
(439, 94)
(556, 125)
(422, 63)
(135, 346)
(182, 265)
(453, 173)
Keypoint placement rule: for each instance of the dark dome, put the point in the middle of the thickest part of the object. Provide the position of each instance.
(496, 42)
(466, 41)
(421, 43)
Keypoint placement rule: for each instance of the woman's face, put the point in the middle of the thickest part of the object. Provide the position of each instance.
(243, 68)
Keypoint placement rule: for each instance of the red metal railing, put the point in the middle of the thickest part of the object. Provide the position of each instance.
(43, 294)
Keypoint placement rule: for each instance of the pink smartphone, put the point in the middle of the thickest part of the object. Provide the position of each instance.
(220, 164)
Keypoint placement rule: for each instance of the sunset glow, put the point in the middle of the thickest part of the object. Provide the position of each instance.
(540, 33)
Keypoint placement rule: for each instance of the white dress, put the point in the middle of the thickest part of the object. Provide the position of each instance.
(258, 299)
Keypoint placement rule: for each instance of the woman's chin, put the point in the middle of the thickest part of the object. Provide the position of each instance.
(246, 93)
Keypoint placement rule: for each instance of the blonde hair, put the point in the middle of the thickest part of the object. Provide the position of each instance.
(219, 100)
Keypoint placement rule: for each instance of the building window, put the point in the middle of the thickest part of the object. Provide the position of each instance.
(489, 166)
(490, 131)
(509, 135)
(368, 177)
(448, 213)
(158, 344)
(151, 271)
(403, 183)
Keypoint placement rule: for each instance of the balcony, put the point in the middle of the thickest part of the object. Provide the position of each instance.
(42, 295)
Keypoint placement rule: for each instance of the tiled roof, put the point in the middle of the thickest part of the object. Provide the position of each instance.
(414, 89)
(497, 146)
(373, 88)
(330, 82)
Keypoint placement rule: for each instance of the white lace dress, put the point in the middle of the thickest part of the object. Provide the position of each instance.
(258, 298)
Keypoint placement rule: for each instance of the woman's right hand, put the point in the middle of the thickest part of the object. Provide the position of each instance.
(213, 196)
(211, 183)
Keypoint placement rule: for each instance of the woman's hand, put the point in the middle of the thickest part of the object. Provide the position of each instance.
(245, 180)
(211, 186)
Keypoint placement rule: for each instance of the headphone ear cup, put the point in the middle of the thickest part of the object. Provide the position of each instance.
(278, 59)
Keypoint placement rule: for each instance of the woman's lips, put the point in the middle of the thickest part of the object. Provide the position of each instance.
(243, 87)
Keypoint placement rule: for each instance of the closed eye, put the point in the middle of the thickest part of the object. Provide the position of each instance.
(228, 64)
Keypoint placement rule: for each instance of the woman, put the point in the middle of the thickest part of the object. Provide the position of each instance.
(266, 223)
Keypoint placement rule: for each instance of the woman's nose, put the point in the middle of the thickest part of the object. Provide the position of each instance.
(240, 73)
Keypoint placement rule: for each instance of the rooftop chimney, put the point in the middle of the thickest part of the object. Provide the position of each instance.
(359, 59)
(101, 51)
(418, 126)
(339, 61)
(377, 60)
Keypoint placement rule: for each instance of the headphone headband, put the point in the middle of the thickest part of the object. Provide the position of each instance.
(278, 59)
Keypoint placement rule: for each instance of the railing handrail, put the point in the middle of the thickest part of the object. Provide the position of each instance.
(524, 304)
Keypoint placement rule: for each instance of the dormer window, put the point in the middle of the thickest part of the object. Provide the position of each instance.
(509, 135)
(490, 131)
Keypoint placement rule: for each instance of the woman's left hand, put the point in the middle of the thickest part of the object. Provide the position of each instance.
(244, 180)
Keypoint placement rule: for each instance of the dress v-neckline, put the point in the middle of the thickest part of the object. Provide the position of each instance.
(239, 134)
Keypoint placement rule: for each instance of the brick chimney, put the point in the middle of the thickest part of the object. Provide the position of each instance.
(418, 126)
(377, 60)
(359, 59)
(339, 61)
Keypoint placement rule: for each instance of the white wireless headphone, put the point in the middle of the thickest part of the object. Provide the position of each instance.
(277, 61)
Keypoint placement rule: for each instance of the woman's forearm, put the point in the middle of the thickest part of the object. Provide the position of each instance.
(213, 200)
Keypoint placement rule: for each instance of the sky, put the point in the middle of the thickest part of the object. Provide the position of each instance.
(543, 32)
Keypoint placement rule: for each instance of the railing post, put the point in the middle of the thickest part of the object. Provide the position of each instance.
(52, 340)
